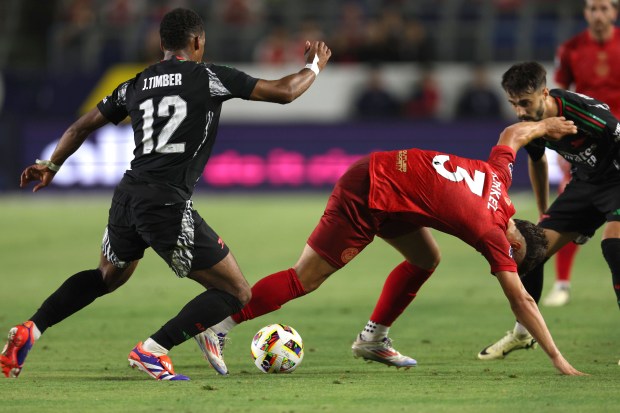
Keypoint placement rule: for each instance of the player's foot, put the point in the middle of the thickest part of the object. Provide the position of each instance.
(506, 344)
(21, 339)
(158, 367)
(382, 352)
(558, 296)
(212, 347)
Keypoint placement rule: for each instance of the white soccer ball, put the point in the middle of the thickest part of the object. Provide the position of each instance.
(277, 348)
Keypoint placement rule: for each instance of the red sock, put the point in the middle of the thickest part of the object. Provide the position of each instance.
(564, 261)
(270, 293)
(400, 288)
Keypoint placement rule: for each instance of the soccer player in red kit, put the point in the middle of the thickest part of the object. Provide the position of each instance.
(398, 196)
(589, 63)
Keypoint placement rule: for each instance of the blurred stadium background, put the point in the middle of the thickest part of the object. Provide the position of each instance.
(410, 73)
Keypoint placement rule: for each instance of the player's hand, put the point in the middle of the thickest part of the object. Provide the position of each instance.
(318, 49)
(36, 173)
(557, 127)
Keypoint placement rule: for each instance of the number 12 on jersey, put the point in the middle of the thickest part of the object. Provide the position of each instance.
(160, 141)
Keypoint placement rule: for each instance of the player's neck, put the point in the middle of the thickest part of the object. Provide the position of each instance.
(551, 107)
(179, 54)
(602, 36)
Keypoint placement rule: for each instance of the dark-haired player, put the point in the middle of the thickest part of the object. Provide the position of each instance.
(398, 196)
(592, 197)
(174, 106)
(589, 63)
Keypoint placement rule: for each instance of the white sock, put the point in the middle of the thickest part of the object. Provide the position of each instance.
(224, 326)
(152, 346)
(374, 332)
(35, 332)
(519, 330)
(564, 285)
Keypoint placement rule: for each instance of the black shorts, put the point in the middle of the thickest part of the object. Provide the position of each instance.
(583, 207)
(174, 230)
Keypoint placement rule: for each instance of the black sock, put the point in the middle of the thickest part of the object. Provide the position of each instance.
(205, 310)
(75, 293)
(611, 252)
(533, 281)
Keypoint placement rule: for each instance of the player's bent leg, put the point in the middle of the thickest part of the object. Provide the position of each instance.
(268, 294)
(226, 277)
(399, 290)
(75, 293)
(115, 275)
(312, 269)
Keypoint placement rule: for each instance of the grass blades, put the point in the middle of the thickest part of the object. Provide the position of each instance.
(81, 364)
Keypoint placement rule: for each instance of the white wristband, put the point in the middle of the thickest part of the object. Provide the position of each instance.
(49, 164)
(314, 66)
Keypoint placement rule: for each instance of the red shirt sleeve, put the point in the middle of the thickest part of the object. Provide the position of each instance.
(563, 72)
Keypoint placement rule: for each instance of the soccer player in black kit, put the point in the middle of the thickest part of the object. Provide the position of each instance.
(174, 106)
(591, 198)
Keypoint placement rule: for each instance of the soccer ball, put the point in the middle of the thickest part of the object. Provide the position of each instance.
(277, 348)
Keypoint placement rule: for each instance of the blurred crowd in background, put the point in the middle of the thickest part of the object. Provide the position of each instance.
(49, 44)
(92, 34)
(402, 60)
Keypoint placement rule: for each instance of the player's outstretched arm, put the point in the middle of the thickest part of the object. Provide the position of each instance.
(538, 172)
(71, 140)
(520, 134)
(525, 309)
(289, 88)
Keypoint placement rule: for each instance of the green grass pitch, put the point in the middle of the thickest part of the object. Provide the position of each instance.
(81, 364)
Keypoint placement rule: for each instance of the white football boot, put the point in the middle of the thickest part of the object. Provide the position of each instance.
(382, 352)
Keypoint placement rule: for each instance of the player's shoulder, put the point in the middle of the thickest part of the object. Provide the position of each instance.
(576, 98)
(578, 40)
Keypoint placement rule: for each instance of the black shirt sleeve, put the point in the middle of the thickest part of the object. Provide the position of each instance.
(535, 149)
(114, 107)
(227, 82)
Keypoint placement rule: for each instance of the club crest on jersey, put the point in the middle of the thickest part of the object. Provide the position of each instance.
(401, 161)
(348, 254)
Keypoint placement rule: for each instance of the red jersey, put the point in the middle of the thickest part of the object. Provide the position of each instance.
(463, 197)
(592, 67)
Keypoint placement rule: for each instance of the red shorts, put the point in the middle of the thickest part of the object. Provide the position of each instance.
(348, 225)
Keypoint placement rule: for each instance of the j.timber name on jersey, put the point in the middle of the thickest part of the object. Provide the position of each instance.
(169, 79)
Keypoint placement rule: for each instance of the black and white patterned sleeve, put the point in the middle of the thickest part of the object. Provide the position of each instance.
(227, 82)
(114, 106)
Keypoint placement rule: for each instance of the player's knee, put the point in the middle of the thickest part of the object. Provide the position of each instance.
(244, 295)
(430, 261)
(114, 277)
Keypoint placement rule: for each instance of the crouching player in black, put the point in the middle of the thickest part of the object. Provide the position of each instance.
(591, 199)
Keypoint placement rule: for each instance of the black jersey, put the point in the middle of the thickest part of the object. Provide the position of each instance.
(594, 152)
(174, 107)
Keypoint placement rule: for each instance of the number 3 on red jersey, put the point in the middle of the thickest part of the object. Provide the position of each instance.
(475, 185)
